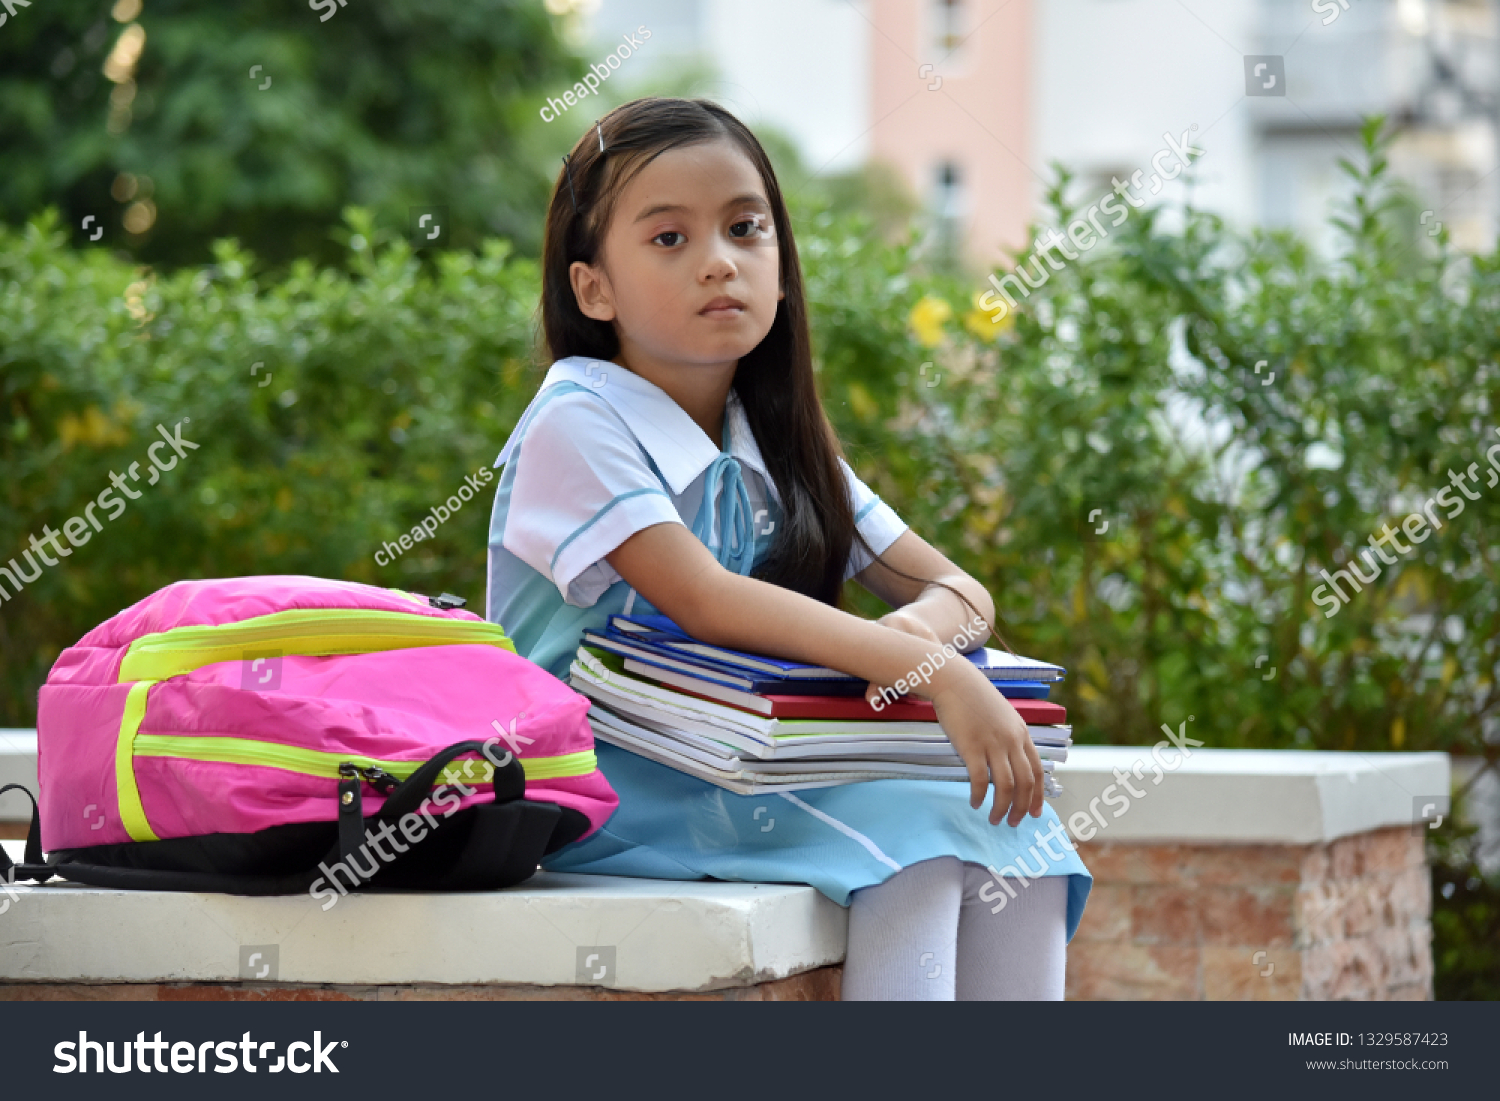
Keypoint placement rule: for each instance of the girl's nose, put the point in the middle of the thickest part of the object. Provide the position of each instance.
(719, 268)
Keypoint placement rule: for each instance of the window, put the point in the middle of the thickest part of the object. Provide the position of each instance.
(949, 209)
(944, 35)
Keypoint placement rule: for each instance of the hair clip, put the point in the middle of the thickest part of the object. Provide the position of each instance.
(601, 135)
(568, 168)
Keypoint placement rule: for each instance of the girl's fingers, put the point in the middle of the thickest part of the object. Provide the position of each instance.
(1025, 786)
(1038, 793)
(979, 778)
(1004, 782)
(910, 625)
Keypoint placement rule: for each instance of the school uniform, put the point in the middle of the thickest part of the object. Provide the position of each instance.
(601, 453)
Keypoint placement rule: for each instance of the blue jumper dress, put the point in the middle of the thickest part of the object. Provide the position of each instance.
(591, 478)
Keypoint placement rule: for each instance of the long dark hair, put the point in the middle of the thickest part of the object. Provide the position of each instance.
(774, 380)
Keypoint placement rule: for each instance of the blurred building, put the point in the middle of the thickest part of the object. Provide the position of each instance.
(801, 66)
(972, 101)
(1428, 65)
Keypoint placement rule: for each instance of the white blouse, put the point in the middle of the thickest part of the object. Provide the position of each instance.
(585, 482)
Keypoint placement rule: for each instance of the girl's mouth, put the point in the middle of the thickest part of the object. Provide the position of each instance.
(723, 306)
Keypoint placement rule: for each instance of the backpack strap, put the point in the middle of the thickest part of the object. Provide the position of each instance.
(404, 798)
(510, 779)
(32, 865)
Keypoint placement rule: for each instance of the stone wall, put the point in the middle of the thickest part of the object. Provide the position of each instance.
(818, 985)
(1347, 919)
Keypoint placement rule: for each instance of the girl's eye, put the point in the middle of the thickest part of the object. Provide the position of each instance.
(752, 226)
(672, 233)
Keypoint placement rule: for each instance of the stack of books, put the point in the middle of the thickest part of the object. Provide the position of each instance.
(753, 724)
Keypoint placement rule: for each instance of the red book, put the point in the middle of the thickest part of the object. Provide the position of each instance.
(908, 709)
(1033, 712)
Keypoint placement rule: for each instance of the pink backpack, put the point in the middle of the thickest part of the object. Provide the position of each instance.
(233, 735)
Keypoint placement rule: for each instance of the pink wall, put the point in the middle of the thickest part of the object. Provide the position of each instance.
(980, 117)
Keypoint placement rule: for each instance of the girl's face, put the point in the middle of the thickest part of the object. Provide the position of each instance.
(689, 268)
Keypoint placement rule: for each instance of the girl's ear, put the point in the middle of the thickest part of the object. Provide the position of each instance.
(591, 289)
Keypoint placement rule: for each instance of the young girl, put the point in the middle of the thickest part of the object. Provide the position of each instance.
(677, 460)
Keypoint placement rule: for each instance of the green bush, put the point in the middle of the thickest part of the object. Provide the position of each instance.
(1129, 383)
(1465, 918)
(387, 385)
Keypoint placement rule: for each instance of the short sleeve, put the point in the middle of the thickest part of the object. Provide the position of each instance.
(873, 518)
(582, 486)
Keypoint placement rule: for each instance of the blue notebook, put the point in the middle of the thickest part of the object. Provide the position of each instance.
(725, 675)
(649, 653)
(661, 635)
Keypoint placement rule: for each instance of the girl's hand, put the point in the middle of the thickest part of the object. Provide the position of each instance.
(908, 624)
(991, 738)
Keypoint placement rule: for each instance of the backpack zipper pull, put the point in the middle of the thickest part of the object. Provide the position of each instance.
(380, 780)
(351, 809)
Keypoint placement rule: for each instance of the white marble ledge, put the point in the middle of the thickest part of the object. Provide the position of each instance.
(643, 935)
(17, 766)
(1245, 796)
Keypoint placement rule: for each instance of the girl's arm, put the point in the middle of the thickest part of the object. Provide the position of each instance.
(925, 610)
(673, 570)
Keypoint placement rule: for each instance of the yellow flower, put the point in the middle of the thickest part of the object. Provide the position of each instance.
(983, 324)
(927, 319)
(92, 427)
(865, 406)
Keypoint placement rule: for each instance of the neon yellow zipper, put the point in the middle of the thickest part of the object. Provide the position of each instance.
(313, 632)
(132, 812)
(317, 762)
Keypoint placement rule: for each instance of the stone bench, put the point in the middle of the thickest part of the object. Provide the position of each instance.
(556, 936)
(1241, 874)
